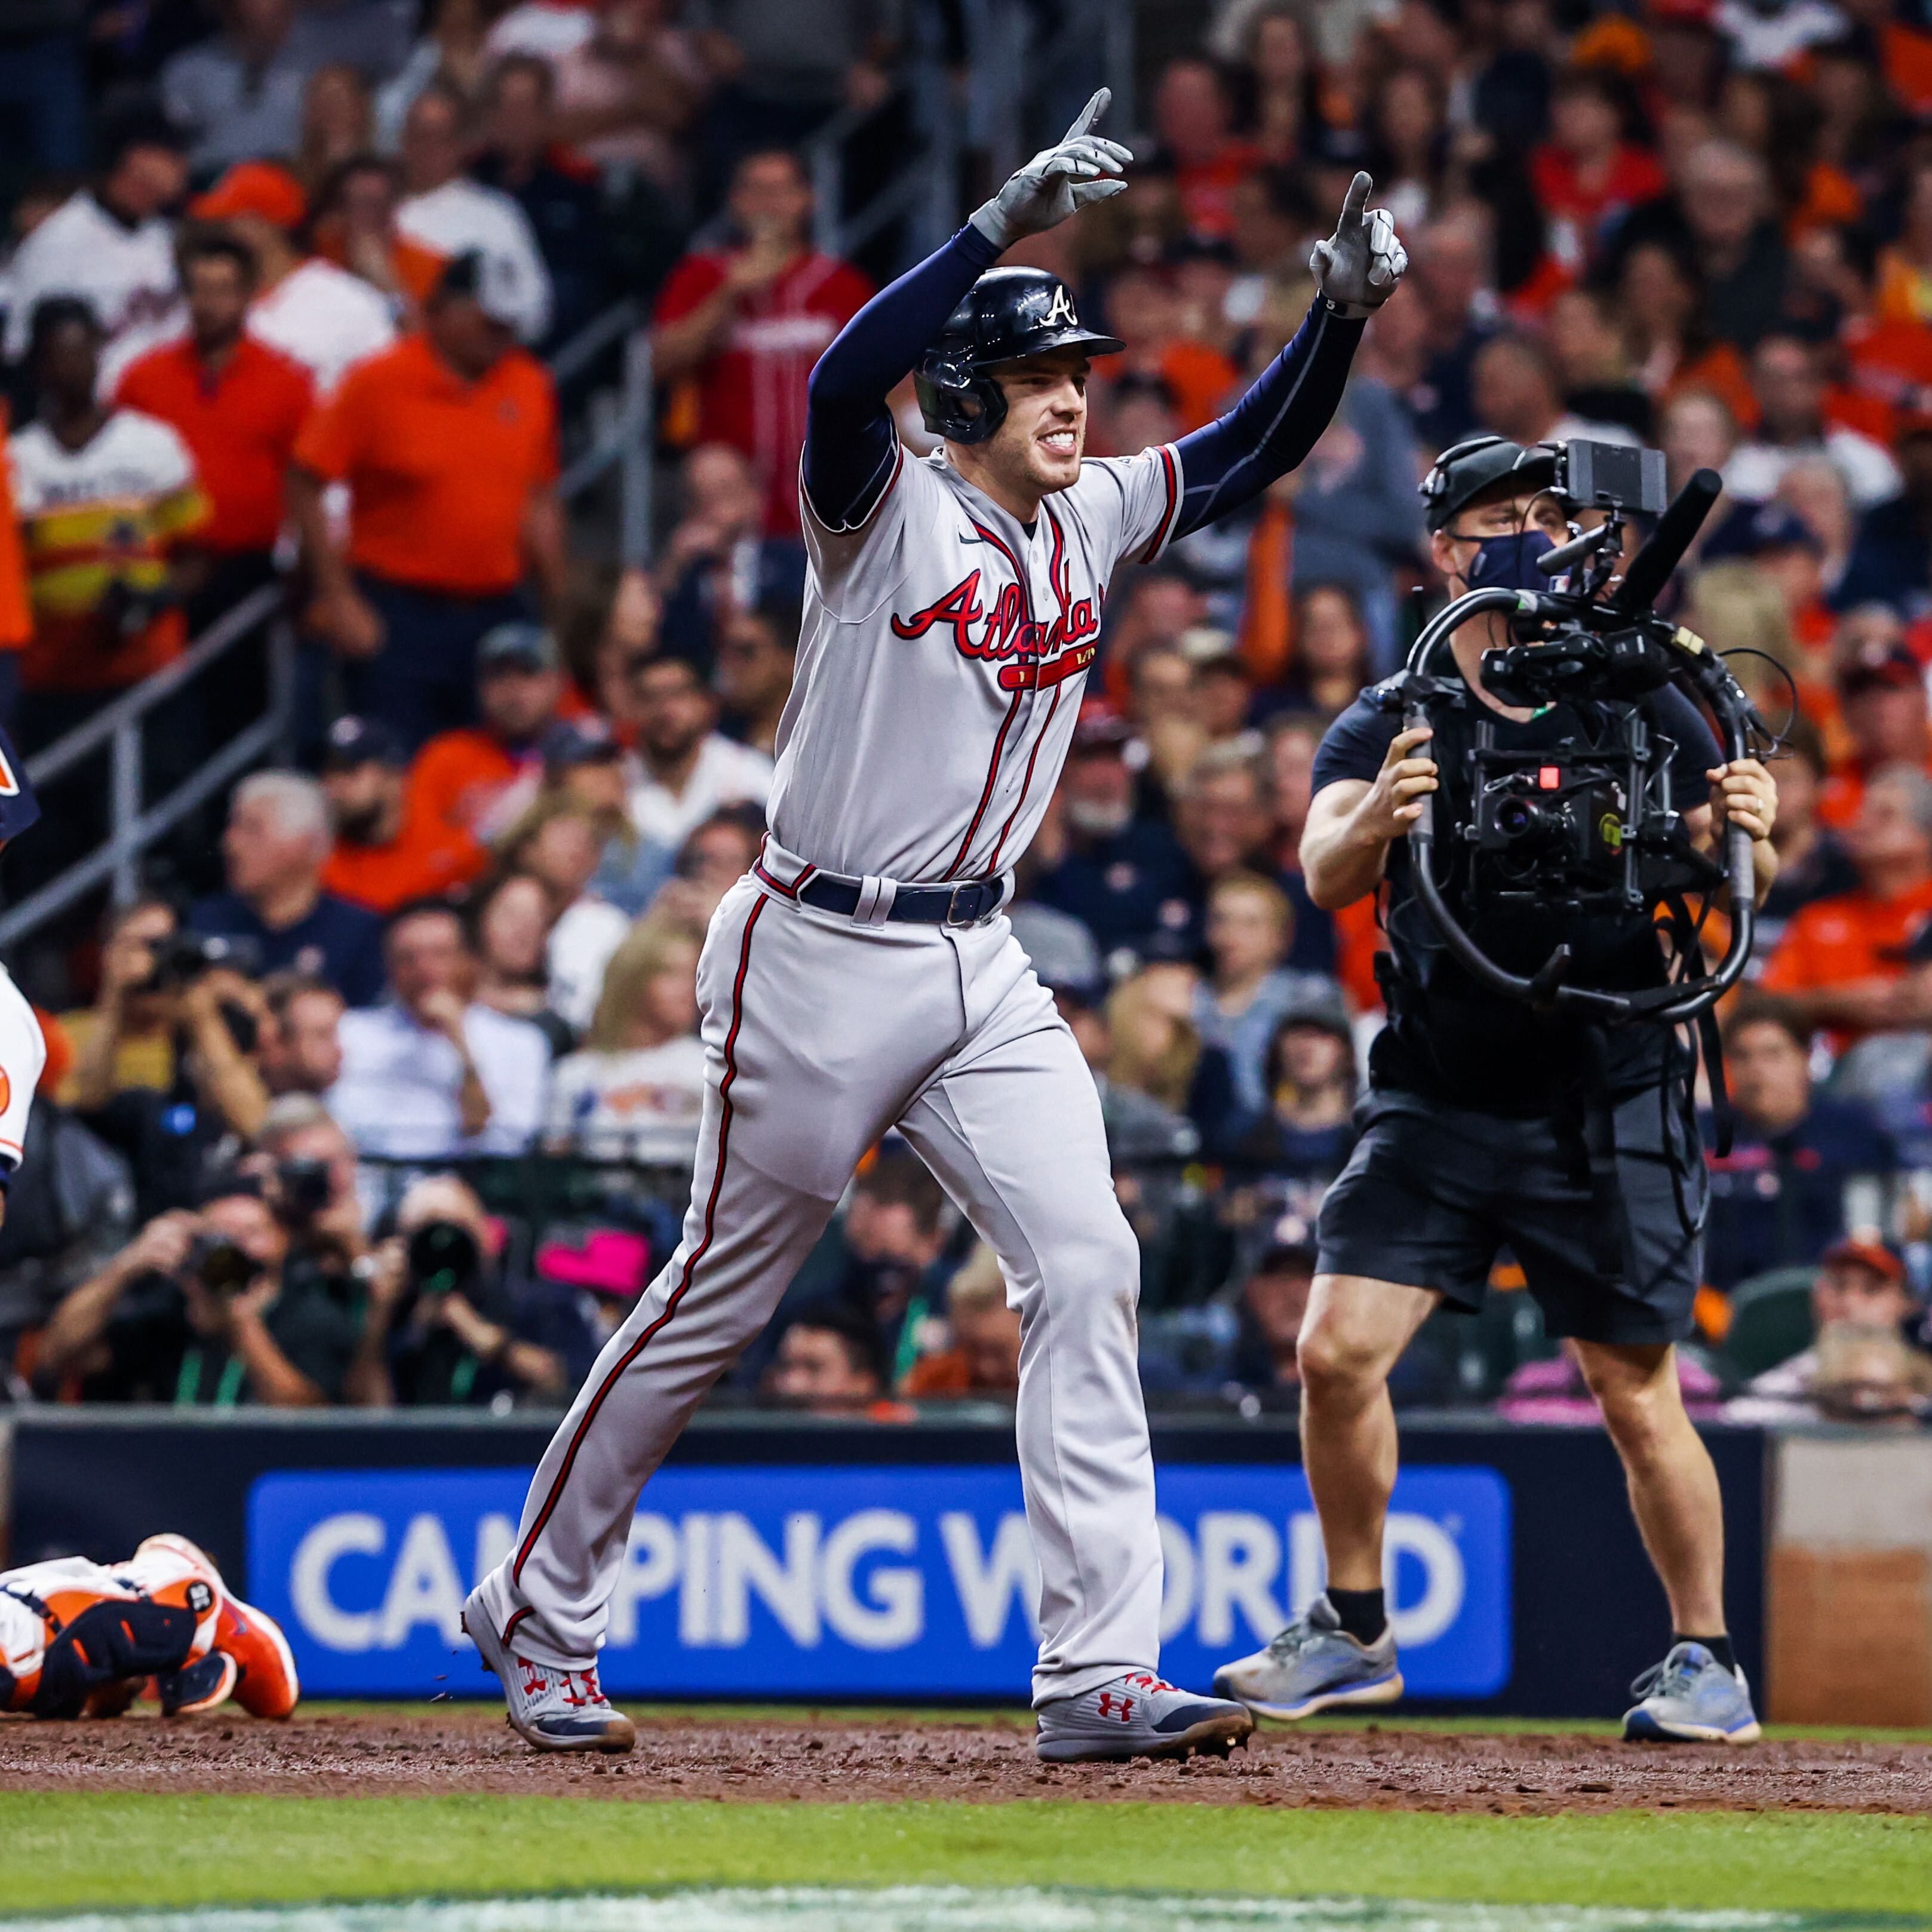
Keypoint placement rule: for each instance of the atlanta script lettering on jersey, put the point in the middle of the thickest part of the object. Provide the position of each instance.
(1049, 653)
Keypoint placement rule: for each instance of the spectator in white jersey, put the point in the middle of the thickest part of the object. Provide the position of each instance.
(325, 318)
(111, 245)
(446, 210)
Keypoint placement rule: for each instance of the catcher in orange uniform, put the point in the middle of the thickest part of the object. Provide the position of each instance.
(79, 1638)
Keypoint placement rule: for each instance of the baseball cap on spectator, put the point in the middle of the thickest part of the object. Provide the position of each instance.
(1101, 727)
(1325, 1010)
(355, 741)
(1205, 644)
(524, 647)
(1683, 13)
(253, 188)
(138, 125)
(1338, 147)
(1065, 958)
(579, 741)
(1855, 1252)
(1879, 664)
(1757, 529)
(488, 279)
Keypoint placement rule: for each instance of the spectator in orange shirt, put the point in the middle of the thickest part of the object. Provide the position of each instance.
(1882, 701)
(355, 230)
(1660, 296)
(448, 442)
(1191, 118)
(388, 849)
(1144, 305)
(1905, 267)
(239, 405)
(473, 781)
(1841, 962)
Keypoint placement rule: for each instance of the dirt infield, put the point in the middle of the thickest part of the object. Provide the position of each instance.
(821, 1757)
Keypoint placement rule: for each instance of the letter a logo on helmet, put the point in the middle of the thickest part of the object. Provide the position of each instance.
(1007, 315)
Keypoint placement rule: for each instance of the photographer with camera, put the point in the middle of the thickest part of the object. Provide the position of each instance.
(166, 1072)
(205, 1309)
(1494, 1117)
(441, 1322)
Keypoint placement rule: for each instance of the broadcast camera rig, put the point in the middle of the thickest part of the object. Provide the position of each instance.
(1598, 831)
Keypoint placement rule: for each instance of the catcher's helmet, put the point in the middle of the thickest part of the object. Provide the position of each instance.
(1007, 314)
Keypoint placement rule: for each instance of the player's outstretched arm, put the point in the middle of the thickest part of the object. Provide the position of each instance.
(1274, 426)
(851, 445)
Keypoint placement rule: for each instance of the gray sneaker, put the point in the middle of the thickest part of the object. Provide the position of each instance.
(1137, 1715)
(1313, 1665)
(555, 1710)
(1691, 1699)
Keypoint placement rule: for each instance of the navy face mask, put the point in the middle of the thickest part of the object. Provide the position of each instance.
(1509, 562)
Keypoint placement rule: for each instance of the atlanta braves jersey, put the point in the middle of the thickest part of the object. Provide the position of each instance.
(940, 663)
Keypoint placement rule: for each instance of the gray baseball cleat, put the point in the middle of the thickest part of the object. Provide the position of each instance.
(555, 1710)
(1691, 1699)
(1313, 1665)
(1137, 1715)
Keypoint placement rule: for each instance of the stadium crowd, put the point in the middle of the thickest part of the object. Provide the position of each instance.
(284, 274)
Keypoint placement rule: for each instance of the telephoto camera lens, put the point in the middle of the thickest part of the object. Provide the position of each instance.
(223, 1267)
(442, 1255)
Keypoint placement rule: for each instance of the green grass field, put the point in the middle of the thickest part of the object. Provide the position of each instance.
(68, 1851)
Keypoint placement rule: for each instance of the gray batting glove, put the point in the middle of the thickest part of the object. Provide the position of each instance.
(1358, 266)
(1058, 182)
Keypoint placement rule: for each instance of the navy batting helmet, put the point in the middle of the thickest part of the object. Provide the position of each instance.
(1007, 314)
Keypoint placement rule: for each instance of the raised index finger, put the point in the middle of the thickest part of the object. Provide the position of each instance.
(1090, 113)
(1356, 199)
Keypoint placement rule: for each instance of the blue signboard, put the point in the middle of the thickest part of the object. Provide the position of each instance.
(810, 1581)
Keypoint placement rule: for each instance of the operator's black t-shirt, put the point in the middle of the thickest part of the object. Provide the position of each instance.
(1458, 1043)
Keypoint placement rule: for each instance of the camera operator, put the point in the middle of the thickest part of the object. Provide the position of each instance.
(1489, 1121)
(308, 1169)
(441, 1322)
(177, 1134)
(205, 1309)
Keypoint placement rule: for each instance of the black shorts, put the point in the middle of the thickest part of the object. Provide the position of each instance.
(1432, 1193)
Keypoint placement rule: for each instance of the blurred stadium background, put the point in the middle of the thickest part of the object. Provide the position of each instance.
(405, 405)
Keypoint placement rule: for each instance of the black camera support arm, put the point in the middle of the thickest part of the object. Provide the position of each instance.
(1546, 989)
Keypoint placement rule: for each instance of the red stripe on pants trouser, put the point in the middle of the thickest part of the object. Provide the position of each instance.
(636, 1348)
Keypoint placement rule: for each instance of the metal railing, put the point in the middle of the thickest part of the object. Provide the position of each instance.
(117, 727)
(1007, 77)
(623, 443)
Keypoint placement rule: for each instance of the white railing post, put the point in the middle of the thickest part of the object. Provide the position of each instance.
(828, 193)
(126, 797)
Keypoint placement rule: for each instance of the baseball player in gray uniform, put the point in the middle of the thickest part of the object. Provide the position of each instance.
(862, 977)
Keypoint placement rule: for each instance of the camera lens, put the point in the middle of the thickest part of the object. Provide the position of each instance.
(1517, 818)
(224, 1266)
(442, 1255)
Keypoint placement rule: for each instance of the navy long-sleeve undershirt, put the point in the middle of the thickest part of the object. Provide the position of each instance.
(850, 444)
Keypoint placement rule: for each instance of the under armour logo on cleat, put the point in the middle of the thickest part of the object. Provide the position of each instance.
(1110, 1706)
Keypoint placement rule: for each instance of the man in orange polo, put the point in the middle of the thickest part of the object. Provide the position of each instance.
(1841, 962)
(388, 850)
(448, 442)
(239, 405)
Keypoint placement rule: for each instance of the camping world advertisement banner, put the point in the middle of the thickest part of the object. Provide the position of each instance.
(801, 1581)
